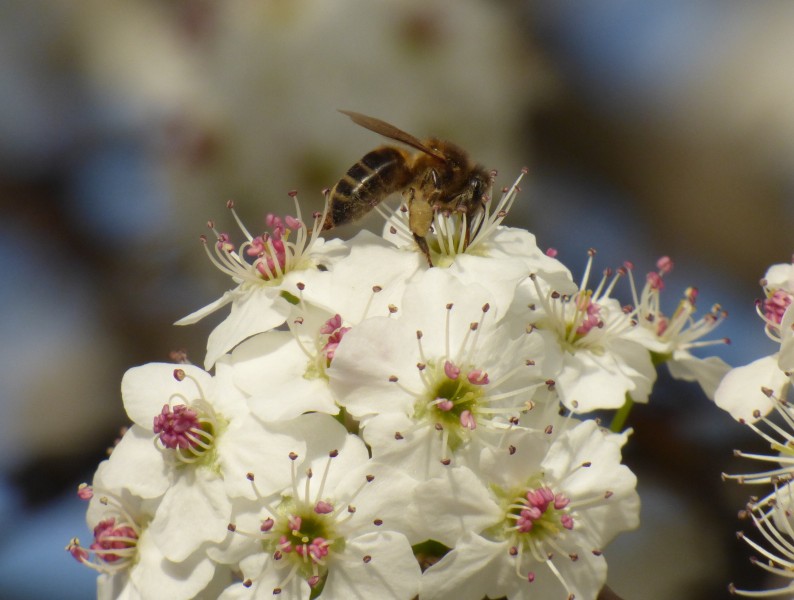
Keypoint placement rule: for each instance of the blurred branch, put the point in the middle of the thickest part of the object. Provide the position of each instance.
(608, 594)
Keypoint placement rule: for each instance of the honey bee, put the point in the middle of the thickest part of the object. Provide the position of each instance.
(440, 177)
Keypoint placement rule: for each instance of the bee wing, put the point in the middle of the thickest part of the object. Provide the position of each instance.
(390, 131)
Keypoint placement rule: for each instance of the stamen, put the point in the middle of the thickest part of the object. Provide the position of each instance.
(331, 455)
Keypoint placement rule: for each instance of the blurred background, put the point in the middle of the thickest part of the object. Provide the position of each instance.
(661, 127)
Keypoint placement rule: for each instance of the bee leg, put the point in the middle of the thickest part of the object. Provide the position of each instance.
(422, 243)
(420, 218)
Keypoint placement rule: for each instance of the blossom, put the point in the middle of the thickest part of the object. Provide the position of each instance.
(770, 511)
(601, 362)
(778, 285)
(191, 445)
(750, 393)
(441, 370)
(747, 391)
(532, 520)
(284, 372)
(123, 552)
(672, 337)
(266, 269)
(336, 529)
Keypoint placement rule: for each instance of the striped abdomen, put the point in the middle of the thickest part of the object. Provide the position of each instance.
(379, 173)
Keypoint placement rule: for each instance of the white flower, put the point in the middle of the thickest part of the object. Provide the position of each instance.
(672, 337)
(532, 520)
(601, 363)
(193, 443)
(748, 392)
(267, 270)
(778, 284)
(284, 372)
(440, 371)
(337, 529)
(771, 511)
(130, 564)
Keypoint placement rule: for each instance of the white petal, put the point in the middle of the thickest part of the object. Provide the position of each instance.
(708, 372)
(786, 357)
(636, 364)
(474, 569)
(268, 360)
(506, 469)
(250, 447)
(500, 277)
(324, 434)
(584, 576)
(262, 309)
(604, 477)
(265, 579)
(307, 395)
(146, 389)
(196, 316)
(137, 465)
(154, 576)
(367, 356)
(424, 307)
(740, 392)
(780, 275)
(587, 382)
(519, 243)
(275, 371)
(116, 587)
(390, 572)
(194, 511)
(455, 503)
(246, 515)
(385, 498)
(591, 380)
(417, 452)
(347, 288)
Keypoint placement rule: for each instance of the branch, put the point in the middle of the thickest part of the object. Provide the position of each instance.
(608, 594)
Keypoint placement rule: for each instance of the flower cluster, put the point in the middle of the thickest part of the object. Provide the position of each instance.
(368, 426)
(756, 395)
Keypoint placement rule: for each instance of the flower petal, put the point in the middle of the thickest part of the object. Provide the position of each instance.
(455, 503)
(741, 390)
(147, 388)
(374, 565)
(262, 309)
(707, 372)
(137, 465)
(194, 511)
(474, 569)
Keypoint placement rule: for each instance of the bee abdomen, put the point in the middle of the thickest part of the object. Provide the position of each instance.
(378, 174)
